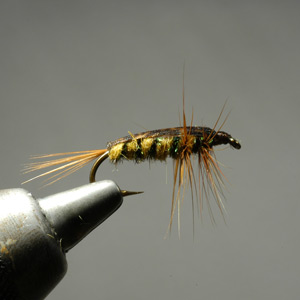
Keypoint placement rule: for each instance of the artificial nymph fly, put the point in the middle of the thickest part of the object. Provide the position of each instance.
(181, 144)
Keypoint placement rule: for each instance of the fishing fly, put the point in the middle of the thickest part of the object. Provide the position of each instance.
(182, 144)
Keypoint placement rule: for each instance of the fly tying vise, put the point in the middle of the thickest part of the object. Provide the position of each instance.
(179, 143)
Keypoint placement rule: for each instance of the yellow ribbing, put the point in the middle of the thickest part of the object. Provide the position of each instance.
(115, 152)
(162, 148)
(146, 146)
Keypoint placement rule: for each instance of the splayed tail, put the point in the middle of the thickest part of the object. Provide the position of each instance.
(67, 165)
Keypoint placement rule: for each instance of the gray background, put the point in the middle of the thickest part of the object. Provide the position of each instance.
(76, 74)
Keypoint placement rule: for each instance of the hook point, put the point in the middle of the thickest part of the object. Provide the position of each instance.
(129, 193)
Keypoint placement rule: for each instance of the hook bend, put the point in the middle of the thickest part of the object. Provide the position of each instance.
(95, 167)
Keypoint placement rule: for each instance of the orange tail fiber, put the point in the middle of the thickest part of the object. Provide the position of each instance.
(70, 164)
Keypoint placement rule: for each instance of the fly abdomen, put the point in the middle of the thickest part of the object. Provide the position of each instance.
(142, 149)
